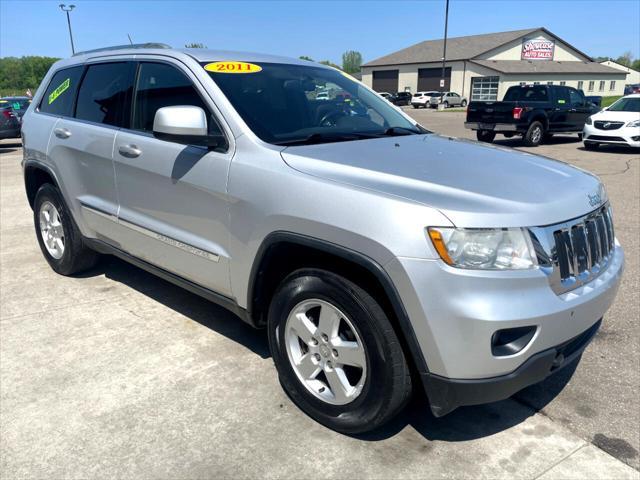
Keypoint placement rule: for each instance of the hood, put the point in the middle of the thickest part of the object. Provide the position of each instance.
(474, 185)
(606, 115)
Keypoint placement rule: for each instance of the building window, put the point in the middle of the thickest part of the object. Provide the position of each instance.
(484, 88)
(549, 83)
(522, 84)
(562, 84)
(536, 83)
(612, 85)
(591, 85)
(601, 86)
(580, 84)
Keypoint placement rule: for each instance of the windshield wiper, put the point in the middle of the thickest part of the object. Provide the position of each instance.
(393, 131)
(325, 137)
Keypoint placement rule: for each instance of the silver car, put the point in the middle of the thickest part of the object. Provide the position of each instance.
(379, 257)
(447, 99)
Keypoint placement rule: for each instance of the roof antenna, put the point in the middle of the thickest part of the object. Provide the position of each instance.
(129, 39)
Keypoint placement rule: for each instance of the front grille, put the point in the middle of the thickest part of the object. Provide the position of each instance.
(576, 252)
(605, 138)
(604, 125)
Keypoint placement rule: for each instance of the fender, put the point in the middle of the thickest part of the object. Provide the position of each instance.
(373, 267)
(35, 164)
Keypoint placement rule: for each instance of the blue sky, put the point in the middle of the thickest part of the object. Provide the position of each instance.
(321, 30)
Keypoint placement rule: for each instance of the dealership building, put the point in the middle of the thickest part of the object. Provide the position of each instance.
(483, 67)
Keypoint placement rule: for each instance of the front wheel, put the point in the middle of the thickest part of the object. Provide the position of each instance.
(485, 136)
(60, 240)
(446, 104)
(337, 355)
(463, 103)
(534, 134)
(590, 146)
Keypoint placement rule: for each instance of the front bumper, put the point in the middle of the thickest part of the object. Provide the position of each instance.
(445, 395)
(629, 136)
(455, 314)
(493, 127)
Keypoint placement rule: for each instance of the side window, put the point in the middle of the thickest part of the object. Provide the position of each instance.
(105, 93)
(577, 99)
(161, 85)
(562, 96)
(59, 96)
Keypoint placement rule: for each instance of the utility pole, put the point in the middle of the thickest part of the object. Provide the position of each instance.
(444, 52)
(66, 9)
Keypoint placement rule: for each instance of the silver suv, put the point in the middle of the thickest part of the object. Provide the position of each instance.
(379, 256)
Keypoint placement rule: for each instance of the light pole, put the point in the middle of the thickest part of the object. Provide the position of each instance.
(444, 52)
(66, 9)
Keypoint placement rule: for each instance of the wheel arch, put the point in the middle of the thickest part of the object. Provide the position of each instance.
(36, 175)
(282, 252)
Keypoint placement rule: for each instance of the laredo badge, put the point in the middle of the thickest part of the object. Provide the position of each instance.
(59, 91)
(232, 67)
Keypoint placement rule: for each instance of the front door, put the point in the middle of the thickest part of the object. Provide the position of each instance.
(173, 203)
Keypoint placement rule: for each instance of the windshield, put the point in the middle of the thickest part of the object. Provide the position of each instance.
(281, 104)
(626, 105)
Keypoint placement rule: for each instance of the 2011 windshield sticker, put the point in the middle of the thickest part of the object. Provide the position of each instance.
(59, 91)
(232, 67)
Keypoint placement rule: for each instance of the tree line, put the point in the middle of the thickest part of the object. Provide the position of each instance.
(19, 74)
(625, 59)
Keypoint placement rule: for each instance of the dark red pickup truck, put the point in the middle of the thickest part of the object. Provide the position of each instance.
(533, 111)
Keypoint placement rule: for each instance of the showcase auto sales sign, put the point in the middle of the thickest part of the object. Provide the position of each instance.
(537, 49)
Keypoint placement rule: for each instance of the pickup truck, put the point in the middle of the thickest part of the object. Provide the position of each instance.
(535, 112)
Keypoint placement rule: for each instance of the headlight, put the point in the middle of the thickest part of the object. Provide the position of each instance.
(589, 121)
(484, 249)
(635, 123)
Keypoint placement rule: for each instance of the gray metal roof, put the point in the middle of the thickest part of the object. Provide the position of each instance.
(458, 48)
(546, 66)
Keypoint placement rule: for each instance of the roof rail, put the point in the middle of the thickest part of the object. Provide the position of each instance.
(122, 47)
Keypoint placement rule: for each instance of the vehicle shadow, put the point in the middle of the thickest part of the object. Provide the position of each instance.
(184, 302)
(9, 144)
(555, 140)
(465, 423)
(7, 150)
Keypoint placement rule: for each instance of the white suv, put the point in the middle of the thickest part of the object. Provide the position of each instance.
(421, 99)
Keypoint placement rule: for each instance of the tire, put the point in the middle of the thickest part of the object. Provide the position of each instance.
(446, 104)
(68, 254)
(463, 103)
(590, 146)
(485, 136)
(534, 134)
(579, 137)
(380, 388)
(415, 106)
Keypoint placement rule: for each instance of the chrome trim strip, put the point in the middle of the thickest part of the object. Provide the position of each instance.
(155, 235)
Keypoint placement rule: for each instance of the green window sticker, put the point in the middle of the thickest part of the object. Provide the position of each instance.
(59, 91)
(561, 101)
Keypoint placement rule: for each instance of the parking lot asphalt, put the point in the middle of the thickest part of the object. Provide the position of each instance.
(116, 373)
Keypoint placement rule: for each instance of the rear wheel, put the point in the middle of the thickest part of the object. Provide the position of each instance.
(485, 136)
(59, 238)
(446, 104)
(590, 146)
(337, 355)
(463, 103)
(534, 134)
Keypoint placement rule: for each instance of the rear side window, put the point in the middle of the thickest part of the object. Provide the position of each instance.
(59, 95)
(105, 94)
(537, 93)
(161, 85)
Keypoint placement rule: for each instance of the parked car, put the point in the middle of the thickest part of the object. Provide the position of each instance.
(402, 98)
(421, 99)
(618, 124)
(533, 111)
(387, 96)
(448, 99)
(18, 104)
(9, 123)
(631, 89)
(596, 100)
(378, 256)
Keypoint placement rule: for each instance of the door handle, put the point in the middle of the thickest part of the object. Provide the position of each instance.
(129, 151)
(62, 133)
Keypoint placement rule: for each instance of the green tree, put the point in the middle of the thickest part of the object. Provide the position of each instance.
(351, 61)
(304, 57)
(636, 65)
(195, 45)
(625, 59)
(330, 63)
(19, 74)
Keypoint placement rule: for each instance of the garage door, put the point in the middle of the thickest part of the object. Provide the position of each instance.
(484, 88)
(385, 81)
(429, 79)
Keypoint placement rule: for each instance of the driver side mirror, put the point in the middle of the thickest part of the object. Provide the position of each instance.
(185, 124)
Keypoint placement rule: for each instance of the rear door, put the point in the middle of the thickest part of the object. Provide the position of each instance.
(558, 113)
(579, 110)
(82, 146)
(173, 201)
